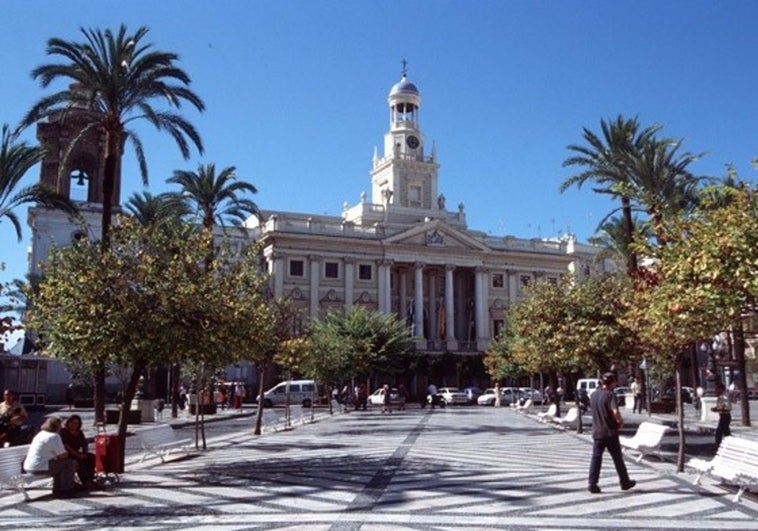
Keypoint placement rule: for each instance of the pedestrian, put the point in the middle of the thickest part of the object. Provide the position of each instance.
(402, 397)
(432, 390)
(724, 409)
(386, 399)
(636, 389)
(606, 423)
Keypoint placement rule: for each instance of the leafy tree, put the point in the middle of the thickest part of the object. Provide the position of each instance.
(117, 79)
(613, 240)
(16, 159)
(143, 303)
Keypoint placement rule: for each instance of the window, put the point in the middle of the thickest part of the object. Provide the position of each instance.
(498, 327)
(498, 280)
(331, 270)
(553, 281)
(414, 195)
(365, 272)
(297, 268)
(525, 280)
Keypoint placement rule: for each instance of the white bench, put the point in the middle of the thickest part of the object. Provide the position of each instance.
(646, 441)
(12, 474)
(736, 461)
(161, 440)
(526, 407)
(547, 416)
(569, 420)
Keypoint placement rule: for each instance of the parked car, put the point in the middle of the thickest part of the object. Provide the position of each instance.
(530, 393)
(453, 396)
(473, 393)
(508, 395)
(377, 397)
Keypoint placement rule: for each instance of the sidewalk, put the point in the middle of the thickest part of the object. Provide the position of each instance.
(460, 468)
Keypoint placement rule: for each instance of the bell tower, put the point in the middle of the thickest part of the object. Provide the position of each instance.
(404, 177)
(74, 166)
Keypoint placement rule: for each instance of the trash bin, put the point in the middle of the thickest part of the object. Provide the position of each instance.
(108, 454)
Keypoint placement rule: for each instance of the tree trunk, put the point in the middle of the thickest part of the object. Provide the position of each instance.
(631, 256)
(99, 395)
(259, 413)
(126, 404)
(679, 415)
(738, 331)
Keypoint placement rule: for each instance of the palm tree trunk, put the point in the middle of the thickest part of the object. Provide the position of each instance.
(631, 256)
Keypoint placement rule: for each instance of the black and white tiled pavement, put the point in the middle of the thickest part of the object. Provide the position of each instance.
(458, 468)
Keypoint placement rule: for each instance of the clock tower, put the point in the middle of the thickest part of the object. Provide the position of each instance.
(404, 177)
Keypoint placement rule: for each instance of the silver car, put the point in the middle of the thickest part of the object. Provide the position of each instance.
(453, 396)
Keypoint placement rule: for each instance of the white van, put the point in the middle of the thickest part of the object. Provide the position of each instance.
(300, 392)
(588, 385)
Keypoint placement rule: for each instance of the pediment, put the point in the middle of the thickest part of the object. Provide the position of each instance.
(436, 233)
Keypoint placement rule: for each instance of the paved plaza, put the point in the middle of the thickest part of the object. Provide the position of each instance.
(456, 468)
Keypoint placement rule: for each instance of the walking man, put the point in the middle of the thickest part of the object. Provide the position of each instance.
(636, 389)
(606, 423)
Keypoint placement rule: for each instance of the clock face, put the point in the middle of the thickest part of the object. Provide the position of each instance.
(412, 142)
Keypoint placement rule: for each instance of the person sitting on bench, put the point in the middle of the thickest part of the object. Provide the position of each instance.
(48, 456)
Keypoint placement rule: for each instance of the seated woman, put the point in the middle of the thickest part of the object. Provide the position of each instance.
(76, 445)
(48, 456)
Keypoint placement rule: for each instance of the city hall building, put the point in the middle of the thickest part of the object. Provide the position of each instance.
(402, 249)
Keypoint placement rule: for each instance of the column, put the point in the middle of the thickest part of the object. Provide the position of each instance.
(349, 283)
(384, 292)
(314, 283)
(512, 285)
(480, 302)
(276, 269)
(434, 333)
(418, 301)
(403, 274)
(450, 309)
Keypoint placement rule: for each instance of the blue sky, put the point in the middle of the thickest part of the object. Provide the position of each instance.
(296, 92)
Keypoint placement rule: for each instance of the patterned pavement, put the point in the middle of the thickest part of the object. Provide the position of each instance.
(458, 468)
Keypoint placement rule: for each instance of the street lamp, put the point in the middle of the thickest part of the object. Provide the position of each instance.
(644, 367)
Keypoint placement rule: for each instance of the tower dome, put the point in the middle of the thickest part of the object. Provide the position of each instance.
(403, 87)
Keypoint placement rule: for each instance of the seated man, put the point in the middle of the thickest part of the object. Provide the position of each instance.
(13, 417)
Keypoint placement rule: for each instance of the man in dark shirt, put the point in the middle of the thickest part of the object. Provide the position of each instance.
(606, 423)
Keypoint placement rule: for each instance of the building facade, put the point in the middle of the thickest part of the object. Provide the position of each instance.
(402, 250)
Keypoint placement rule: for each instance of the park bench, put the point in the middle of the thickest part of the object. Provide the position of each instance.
(647, 440)
(547, 416)
(161, 440)
(569, 420)
(12, 474)
(736, 461)
(526, 407)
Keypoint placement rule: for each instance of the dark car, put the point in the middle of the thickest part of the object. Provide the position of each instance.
(472, 393)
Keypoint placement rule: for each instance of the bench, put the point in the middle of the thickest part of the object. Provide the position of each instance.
(736, 461)
(12, 474)
(569, 420)
(526, 407)
(161, 440)
(647, 440)
(547, 416)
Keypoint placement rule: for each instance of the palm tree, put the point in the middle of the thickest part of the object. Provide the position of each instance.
(154, 210)
(116, 79)
(613, 240)
(214, 199)
(606, 160)
(661, 184)
(16, 159)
